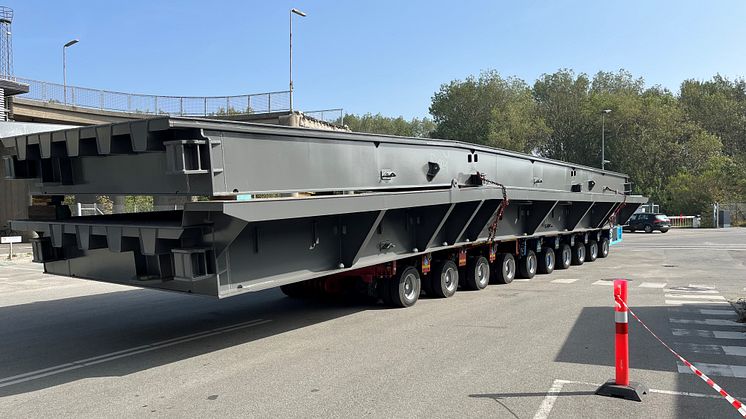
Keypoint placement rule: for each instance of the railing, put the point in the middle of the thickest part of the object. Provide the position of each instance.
(684, 221)
(334, 116)
(151, 104)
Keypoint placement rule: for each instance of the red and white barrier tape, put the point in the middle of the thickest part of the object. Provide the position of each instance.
(732, 400)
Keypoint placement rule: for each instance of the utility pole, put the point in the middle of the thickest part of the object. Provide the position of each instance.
(301, 14)
(603, 138)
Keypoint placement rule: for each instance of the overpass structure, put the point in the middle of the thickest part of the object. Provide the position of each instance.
(55, 103)
(44, 106)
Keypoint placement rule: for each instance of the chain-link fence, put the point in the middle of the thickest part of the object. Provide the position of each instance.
(157, 105)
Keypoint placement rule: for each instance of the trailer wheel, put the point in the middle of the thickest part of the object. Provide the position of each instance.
(603, 248)
(591, 251)
(546, 261)
(504, 268)
(444, 279)
(405, 288)
(527, 265)
(565, 257)
(477, 273)
(578, 254)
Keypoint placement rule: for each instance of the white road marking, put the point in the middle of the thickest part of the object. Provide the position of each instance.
(716, 334)
(692, 291)
(546, 406)
(653, 285)
(683, 302)
(734, 350)
(708, 322)
(565, 280)
(717, 312)
(600, 282)
(708, 312)
(522, 280)
(82, 363)
(721, 370)
(710, 287)
(696, 297)
(713, 349)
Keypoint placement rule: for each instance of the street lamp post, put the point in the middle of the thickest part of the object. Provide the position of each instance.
(64, 67)
(301, 14)
(603, 138)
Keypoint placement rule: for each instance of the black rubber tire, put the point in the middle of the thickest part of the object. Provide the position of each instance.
(648, 228)
(591, 251)
(664, 230)
(444, 279)
(546, 261)
(405, 288)
(578, 254)
(564, 257)
(603, 248)
(477, 273)
(504, 269)
(527, 265)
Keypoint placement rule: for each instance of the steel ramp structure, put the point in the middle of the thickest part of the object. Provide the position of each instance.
(367, 201)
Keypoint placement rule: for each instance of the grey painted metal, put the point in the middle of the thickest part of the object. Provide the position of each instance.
(227, 247)
(218, 158)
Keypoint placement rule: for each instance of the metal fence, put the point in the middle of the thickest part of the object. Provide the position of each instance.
(151, 104)
(334, 116)
(736, 213)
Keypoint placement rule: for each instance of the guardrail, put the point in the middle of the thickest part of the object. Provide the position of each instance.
(153, 104)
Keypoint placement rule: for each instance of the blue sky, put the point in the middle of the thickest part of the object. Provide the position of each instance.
(373, 56)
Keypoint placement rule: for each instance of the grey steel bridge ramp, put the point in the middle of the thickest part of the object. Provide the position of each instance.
(373, 199)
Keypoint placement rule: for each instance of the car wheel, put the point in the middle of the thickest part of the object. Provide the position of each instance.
(648, 228)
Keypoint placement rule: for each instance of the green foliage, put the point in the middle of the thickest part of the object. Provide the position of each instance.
(379, 124)
(684, 151)
(488, 110)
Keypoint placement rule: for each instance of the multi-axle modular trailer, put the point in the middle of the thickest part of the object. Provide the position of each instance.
(385, 216)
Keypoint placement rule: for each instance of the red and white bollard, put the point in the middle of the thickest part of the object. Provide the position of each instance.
(620, 386)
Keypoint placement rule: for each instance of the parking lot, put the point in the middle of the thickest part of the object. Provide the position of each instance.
(535, 348)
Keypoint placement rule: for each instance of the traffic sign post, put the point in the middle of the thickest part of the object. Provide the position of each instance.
(10, 240)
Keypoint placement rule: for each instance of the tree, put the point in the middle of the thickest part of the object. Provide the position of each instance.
(719, 106)
(672, 147)
(488, 110)
(379, 124)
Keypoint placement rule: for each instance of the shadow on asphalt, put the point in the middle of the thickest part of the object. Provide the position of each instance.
(52, 333)
(591, 342)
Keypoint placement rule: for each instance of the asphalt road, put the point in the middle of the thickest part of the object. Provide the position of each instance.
(539, 348)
